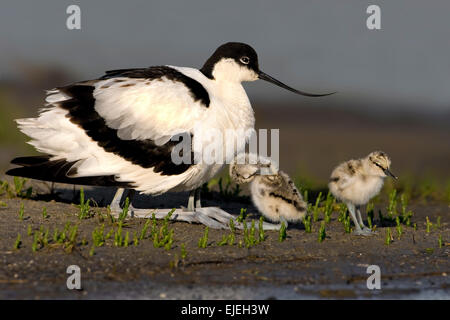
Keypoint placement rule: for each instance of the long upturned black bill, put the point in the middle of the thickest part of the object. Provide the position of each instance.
(389, 173)
(266, 77)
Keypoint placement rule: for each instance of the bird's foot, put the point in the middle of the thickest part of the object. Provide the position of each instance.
(363, 232)
(368, 230)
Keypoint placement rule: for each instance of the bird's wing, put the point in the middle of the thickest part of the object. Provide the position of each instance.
(120, 124)
(152, 103)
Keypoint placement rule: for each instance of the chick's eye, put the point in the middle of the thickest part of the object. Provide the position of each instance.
(245, 60)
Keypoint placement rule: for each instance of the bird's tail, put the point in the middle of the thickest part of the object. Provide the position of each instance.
(42, 168)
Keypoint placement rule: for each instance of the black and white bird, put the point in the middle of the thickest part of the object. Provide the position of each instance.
(117, 130)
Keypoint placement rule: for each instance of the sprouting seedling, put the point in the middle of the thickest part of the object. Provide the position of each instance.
(429, 225)
(415, 226)
(155, 240)
(232, 226)
(127, 239)
(135, 238)
(438, 222)
(144, 229)
(175, 262)
(242, 215)
(98, 237)
(232, 235)
(307, 223)
(34, 246)
(29, 230)
(399, 227)
(342, 212)
(124, 213)
(92, 251)
(19, 184)
(118, 238)
(45, 237)
(84, 206)
(261, 235)
(251, 234)
(153, 224)
(440, 242)
(246, 240)
(347, 225)
(392, 206)
(282, 233)
(316, 207)
(369, 222)
(305, 196)
(404, 202)
(224, 241)
(183, 252)
(203, 241)
(322, 233)
(55, 235)
(168, 240)
(84, 242)
(21, 212)
(328, 210)
(44, 213)
(388, 237)
(18, 242)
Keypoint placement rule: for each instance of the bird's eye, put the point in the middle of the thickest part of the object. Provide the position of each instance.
(245, 60)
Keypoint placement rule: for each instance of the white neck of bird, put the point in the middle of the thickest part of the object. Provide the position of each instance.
(228, 70)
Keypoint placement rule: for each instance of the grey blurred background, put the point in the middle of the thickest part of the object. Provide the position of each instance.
(393, 84)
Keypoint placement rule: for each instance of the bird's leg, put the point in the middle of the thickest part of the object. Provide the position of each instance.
(364, 228)
(198, 202)
(115, 203)
(351, 209)
(191, 201)
(360, 221)
(358, 231)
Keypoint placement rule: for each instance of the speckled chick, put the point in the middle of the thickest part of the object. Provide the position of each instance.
(272, 191)
(355, 182)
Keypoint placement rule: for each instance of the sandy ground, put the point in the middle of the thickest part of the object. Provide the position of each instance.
(300, 267)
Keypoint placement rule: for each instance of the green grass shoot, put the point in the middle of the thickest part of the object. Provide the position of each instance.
(203, 241)
(322, 233)
(183, 251)
(328, 208)
(347, 225)
(316, 207)
(261, 235)
(124, 213)
(399, 227)
(83, 206)
(388, 238)
(282, 233)
(21, 211)
(440, 242)
(307, 223)
(18, 242)
(428, 224)
(392, 206)
(144, 229)
(44, 213)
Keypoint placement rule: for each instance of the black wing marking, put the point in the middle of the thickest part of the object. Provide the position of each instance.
(144, 153)
(41, 168)
(198, 92)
